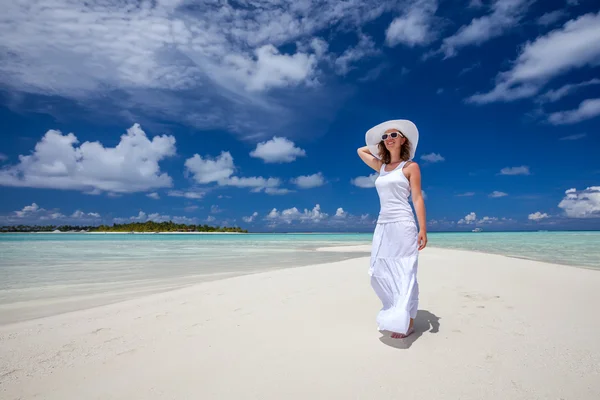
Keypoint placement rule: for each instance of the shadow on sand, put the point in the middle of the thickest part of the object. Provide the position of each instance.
(424, 322)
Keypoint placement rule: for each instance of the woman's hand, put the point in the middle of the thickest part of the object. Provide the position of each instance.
(422, 240)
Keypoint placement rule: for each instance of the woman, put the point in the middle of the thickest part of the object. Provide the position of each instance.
(396, 243)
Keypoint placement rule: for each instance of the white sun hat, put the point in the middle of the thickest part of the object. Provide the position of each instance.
(408, 129)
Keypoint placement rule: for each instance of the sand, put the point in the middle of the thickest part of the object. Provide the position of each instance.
(489, 327)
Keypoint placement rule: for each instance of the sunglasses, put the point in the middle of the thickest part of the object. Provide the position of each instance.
(393, 135)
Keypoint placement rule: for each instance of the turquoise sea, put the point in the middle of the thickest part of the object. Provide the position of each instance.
(41, 274)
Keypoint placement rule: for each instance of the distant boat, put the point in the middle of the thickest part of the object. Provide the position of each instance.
(477, 230)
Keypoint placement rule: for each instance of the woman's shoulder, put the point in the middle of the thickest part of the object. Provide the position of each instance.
(411, 164)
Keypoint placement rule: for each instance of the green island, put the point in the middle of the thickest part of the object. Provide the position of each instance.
(149, 226)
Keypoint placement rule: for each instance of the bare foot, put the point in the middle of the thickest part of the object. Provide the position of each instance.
(396, 335)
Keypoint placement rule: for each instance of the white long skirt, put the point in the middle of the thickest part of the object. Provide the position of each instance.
(393, 271)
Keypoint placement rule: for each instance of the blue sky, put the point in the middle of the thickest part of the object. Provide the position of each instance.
(249, 113)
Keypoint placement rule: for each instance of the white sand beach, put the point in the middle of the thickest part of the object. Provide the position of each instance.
(488, 327)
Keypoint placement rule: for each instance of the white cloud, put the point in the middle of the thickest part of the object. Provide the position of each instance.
(28, 210)
(277, 191)
(581, 203)
(432, 157)
(365, 182)
(190, 208)
(470, 218)
(415, 27)
(257, 183)
(156, 217)
(316, 218)
(466, 194)
(522, 170)
(189, 194)
(207, 170)
(293, 214)
(576, 136)
(78, 214)
(220, 170)
(277, 150)
(340, 213)
(496, 194)
(210, 218)
(551, 17)
(250, 218)
(267, 68)
(537, 216)
(364, 48)
(219, 59)
(215, 209)
(487, 220)
(34, 214)
(587, 109)
(555, 95)
(153, 195)
(57, 162)
(309, 181)
(505, 15)
(578, 43)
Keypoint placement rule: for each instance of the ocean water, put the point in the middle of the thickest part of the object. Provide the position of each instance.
(43, 274)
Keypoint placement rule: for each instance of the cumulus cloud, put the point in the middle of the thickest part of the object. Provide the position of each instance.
(34, 214)
(578, 43)
(277, 150)
(365, 182)
(522, 170)
(415, 27)
(220, 170)
(293, 214)
(154, 196)
(470, 218)
(309, 181)
(156, 217)
(581, 203)
(432, 158)
(316, 218)
(587, 109)
(537, 216)
(207, 170)
(58, 163)
(340, 213)
(504, 15)
(496, 194)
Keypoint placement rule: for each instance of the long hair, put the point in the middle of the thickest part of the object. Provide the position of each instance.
(386, 156)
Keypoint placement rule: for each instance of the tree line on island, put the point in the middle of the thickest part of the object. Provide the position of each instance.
(149, 226)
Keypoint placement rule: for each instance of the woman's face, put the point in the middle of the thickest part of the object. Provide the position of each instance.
(393, 139)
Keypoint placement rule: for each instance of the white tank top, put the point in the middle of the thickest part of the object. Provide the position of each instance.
(393, 189)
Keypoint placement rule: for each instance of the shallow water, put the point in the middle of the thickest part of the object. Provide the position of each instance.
(41, 274)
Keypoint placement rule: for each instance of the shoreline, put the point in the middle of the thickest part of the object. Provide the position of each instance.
(366, 249)
(181, 283)
(115, 296)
